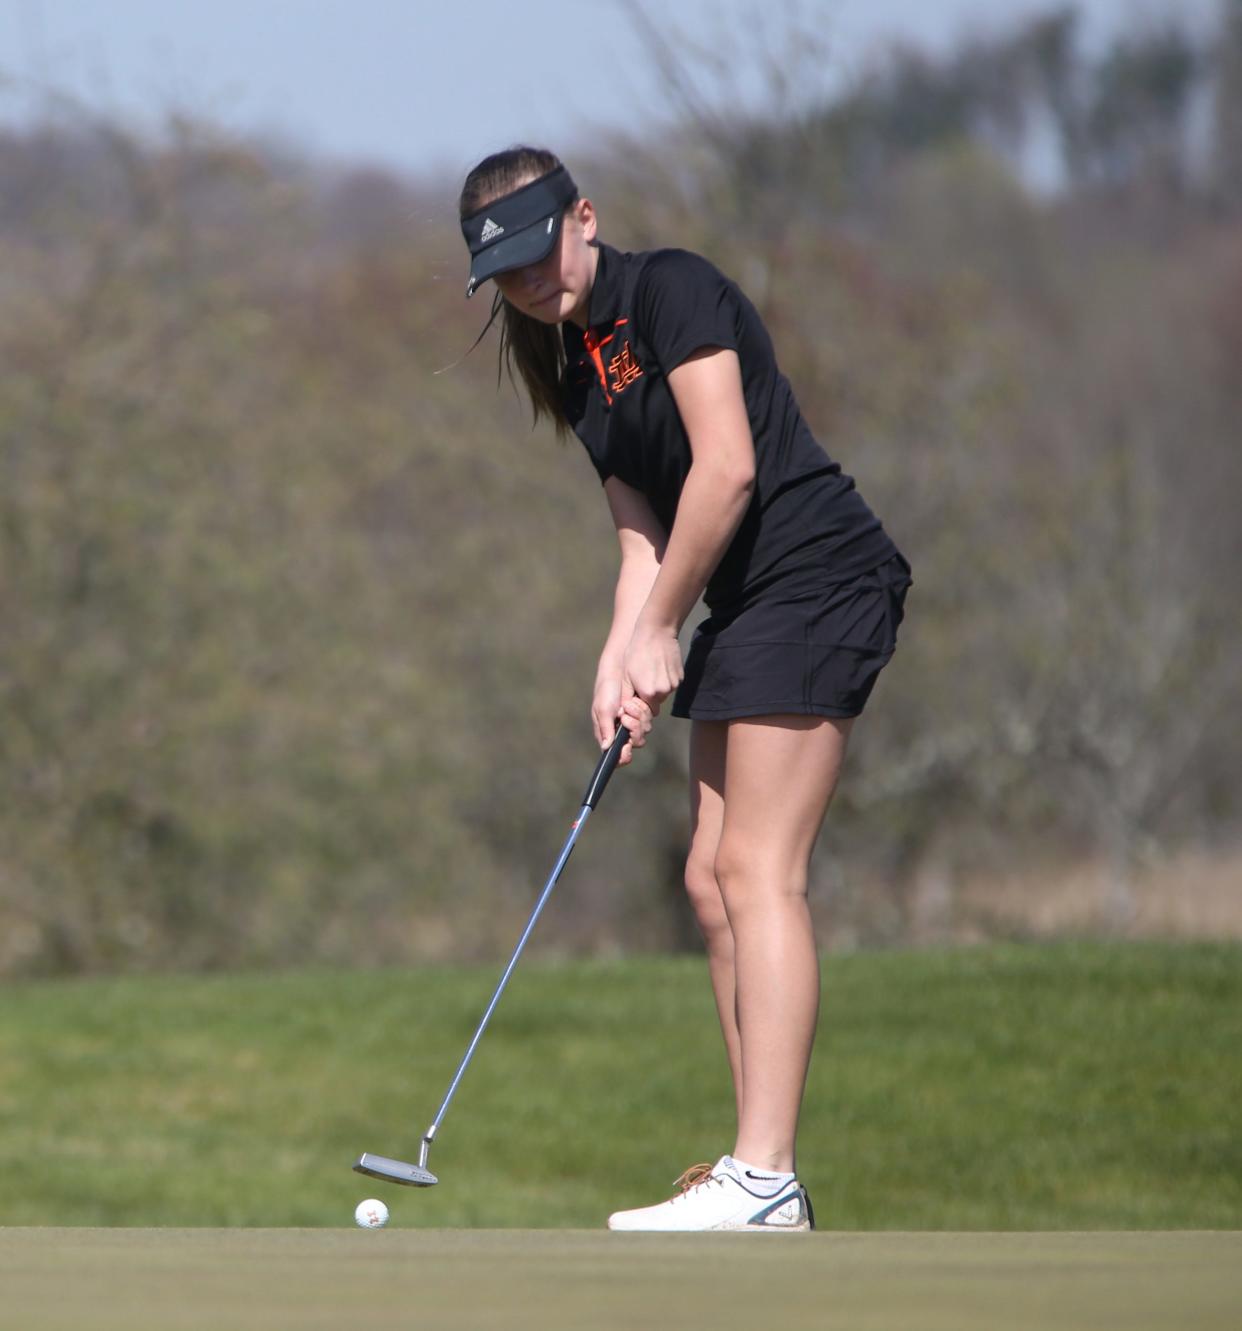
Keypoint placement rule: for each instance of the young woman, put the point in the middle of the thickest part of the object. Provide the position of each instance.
(717, 488)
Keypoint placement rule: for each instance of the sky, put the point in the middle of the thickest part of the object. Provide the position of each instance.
(420, 86)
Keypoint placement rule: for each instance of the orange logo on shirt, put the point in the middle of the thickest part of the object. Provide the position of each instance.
(624, 369)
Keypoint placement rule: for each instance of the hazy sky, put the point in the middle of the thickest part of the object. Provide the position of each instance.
(422, 85)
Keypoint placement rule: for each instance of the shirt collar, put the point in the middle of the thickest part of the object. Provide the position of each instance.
(605, 303)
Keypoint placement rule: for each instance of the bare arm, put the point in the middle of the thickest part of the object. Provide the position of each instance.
(643, 539)
(707, 389)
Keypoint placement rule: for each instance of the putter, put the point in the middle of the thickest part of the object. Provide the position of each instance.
(419, 1176)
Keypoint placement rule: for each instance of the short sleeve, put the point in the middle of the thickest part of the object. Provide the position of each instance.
(602, 469)
(682, 303)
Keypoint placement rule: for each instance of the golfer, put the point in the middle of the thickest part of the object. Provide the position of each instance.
(717, 488)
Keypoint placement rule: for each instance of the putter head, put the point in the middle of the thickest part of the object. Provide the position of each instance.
(394, 1171)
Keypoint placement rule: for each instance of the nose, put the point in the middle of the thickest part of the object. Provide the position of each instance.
(526, 282)
(530, 276)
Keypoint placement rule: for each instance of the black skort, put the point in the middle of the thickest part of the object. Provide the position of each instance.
(806, 645)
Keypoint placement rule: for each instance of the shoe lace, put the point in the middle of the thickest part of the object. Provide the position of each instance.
(694, 1177)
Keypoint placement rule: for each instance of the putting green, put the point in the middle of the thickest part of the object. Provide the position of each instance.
(509, 1280)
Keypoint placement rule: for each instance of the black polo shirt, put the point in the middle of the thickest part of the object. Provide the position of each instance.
(648, 313)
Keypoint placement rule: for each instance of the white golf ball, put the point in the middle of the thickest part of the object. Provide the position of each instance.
(371, 1214)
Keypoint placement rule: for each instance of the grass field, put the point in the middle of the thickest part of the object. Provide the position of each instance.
(1068, 1087)
(512, 1280)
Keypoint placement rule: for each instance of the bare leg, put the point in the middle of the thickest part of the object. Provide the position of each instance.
(780, 774)
(707, 764)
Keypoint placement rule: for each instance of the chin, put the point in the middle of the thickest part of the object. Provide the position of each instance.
(554, 312)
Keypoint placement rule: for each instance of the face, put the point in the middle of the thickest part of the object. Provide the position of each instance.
(559, 288)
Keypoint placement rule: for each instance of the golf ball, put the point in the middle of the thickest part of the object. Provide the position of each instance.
(371, 1214)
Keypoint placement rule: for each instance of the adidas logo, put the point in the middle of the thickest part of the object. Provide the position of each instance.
(490, 231)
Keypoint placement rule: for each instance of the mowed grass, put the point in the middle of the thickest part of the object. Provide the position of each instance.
(545, 1280)
(1080, 1086)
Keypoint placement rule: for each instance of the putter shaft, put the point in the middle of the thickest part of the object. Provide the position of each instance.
(419, 1176)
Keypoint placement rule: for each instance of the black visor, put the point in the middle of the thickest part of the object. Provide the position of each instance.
(518, 228)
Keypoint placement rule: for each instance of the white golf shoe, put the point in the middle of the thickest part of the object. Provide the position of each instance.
(715, 1197)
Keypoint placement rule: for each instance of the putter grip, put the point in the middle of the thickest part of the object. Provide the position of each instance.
(605, 767)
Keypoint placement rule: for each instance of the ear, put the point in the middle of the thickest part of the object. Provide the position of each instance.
(584, 211)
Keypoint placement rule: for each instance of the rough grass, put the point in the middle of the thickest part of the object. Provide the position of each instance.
(1080, 1086)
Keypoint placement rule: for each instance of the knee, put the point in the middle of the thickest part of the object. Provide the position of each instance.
(704, 893)
(732, 873)
(747, 879)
